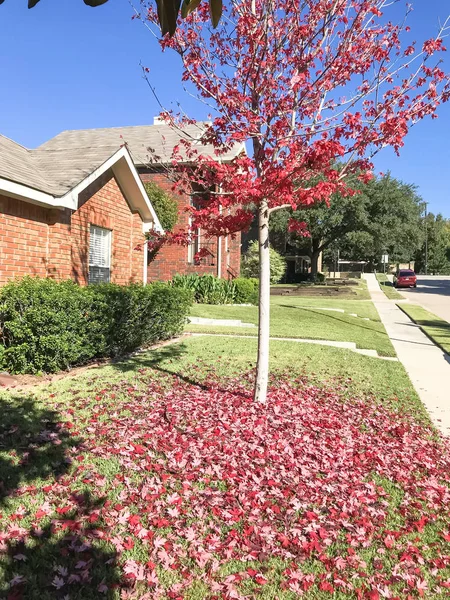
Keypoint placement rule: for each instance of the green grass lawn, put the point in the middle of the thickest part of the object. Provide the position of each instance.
(362, 308)
(298, 317)
(92, 485)
(94, 508)
(361, 375)
(199, 356)
(388, 287)
(433, 326)
(39, 430)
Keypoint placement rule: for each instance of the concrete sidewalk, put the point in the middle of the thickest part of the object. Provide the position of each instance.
(427, 366)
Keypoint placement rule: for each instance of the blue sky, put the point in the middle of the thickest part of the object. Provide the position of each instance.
(64, 65)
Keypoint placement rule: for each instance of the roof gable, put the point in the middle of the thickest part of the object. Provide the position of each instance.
(54, 173)
(124, 170)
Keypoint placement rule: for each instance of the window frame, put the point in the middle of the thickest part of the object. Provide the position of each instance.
(194, 246)
(105, 252)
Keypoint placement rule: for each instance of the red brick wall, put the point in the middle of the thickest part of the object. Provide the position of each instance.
(55, 243)
(59, 261)
(104, 205)
(173, 259)
(23, 239)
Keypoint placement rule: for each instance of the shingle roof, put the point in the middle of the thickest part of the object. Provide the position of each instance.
(65, 160)
(18, 164)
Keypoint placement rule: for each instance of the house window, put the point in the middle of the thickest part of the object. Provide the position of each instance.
(194, 246)
(99, 255)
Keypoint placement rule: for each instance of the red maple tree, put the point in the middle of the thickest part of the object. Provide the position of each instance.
(314, 88)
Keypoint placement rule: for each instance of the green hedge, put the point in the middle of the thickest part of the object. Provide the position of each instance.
(208, 289)
(47, 326)
(246, 290)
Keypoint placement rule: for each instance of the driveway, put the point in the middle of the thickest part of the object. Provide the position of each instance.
(433, 293)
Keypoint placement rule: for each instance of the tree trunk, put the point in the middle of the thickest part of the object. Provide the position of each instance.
(315, 253)
(262, 365)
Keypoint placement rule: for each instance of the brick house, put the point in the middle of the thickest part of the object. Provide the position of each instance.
(76, 208)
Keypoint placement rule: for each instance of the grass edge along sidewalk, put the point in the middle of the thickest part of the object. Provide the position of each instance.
(296, 317)
(437, 329)
(387, 287)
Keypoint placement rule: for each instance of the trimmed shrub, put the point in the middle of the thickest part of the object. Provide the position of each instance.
(250, 263)
(246, 290)
(137, 315)
(47, 326)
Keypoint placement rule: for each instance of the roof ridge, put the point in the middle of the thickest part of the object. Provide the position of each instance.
(127, 127)
(14, 142)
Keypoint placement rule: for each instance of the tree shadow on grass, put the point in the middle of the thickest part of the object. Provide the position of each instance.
(39, 553)
(160, 359)
(387, 283)
(333, 317)
(437, 330)
(33, 444)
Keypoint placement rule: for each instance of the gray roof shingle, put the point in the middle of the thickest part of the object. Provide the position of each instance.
(61, 163)
(19, 165)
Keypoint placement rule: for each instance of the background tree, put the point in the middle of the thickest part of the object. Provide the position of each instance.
(436, 235)
(384, 216)
(250, 263)
(306, 85)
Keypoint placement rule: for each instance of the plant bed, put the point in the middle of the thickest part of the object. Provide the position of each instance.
(169, 488)
(314, 290)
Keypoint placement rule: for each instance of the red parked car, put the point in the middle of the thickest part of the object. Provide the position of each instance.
(405, 278)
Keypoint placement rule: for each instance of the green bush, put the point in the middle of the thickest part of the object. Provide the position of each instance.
(165, 205)
(208, 289)
(137, 315)
(48, 326)
(246, 290)
(320, 277)
(250, 263)
(45, 326)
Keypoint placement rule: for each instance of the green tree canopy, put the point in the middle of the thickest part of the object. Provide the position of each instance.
(384, 216)
(250, 263)
(435, 249)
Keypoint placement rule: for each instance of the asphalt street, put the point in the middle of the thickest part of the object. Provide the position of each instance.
(433, 293)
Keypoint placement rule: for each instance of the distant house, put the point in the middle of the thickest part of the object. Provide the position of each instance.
(76, 208)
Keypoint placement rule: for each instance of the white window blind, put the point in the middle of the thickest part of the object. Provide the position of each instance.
(99, 255)
(194, 246)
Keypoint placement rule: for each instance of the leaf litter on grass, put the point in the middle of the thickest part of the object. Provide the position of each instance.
(191, 490)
